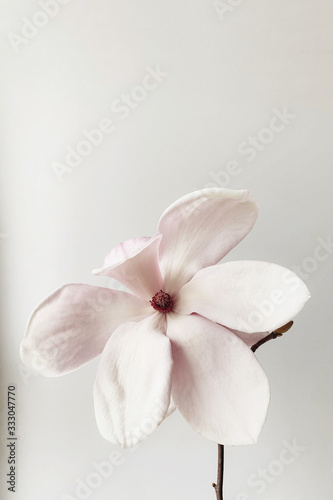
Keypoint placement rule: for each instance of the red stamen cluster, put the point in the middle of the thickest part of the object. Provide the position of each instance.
(162, 302)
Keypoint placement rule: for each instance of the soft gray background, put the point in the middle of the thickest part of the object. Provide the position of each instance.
(225, 76)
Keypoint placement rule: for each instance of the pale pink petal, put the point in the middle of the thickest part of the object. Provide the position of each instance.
(248, 296)
(133, 382)
(201, 228)
(73, 324)
(126, 250)
(134, 263)
(250, 338)
(217, 383)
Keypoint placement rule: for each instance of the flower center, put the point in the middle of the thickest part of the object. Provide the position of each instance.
(162, 302)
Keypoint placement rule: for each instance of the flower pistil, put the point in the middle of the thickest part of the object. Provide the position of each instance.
(162, 302)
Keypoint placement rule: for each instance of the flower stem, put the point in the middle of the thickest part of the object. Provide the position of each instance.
(220, 468)
(277, 333)
(220, 471)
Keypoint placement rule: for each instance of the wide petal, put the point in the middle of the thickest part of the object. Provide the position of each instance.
(201, 228)
(133, 382)
(248, 296)
(134, 263)
(217, 384)
(73, 324)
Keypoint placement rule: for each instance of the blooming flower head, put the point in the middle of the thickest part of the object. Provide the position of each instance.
(181, 336)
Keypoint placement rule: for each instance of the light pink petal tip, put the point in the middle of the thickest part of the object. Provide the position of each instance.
(133, 382)
(73, 324)
(201, 228)
(134, 263)
(218, 384)
(248, 296)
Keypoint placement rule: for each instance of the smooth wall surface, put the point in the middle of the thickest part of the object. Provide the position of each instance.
(186, 95)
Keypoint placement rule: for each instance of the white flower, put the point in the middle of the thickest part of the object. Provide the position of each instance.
(181, 337)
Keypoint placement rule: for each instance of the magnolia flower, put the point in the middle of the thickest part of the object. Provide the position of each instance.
(181, 337)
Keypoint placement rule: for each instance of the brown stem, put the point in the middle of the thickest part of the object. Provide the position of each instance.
(220, 469)
(271, 336)
(277, 333)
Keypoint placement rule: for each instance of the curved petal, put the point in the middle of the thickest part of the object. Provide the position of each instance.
(217, 384)
(73, 324)
(135, 264)
(250, 338)
(172, 408)
(201, 228)
(248, 296)
(133, 382)
(126, 250)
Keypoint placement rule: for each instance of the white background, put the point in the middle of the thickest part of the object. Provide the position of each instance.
(225, 76)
